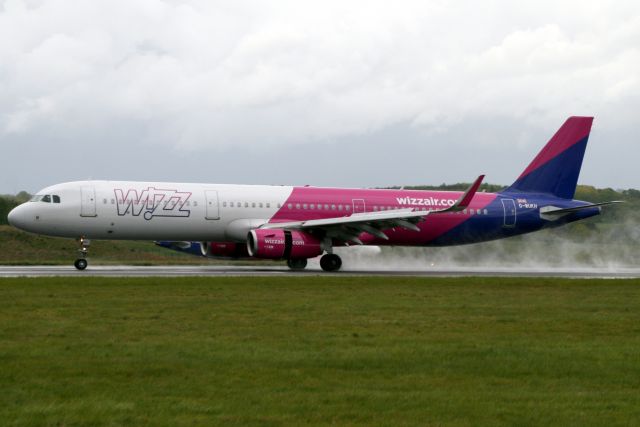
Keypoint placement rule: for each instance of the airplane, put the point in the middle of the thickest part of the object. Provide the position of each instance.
(298, 223)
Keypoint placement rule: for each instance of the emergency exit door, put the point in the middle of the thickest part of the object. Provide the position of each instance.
(509, 207)
(88, 201)
(213, 207)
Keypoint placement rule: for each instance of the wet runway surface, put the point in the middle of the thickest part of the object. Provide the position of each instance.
(265, 271)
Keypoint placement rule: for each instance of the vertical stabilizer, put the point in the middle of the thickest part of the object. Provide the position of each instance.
(556, 168)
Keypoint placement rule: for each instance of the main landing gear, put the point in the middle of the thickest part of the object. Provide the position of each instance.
(297, 264)
(81, 263)
(330, 262)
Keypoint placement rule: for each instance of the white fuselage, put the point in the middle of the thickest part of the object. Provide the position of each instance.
(150, 210)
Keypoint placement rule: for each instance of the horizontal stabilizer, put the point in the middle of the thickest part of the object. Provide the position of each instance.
(552, 212)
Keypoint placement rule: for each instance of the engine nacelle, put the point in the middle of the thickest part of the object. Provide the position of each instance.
(283, 244)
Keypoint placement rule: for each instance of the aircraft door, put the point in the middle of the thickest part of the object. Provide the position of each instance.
(358, 205)
(88, 201)
(509, 207)
(213, 207)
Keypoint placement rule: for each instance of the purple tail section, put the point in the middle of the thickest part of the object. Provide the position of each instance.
(556, 168)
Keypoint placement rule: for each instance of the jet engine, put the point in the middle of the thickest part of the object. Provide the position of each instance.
(283, 244)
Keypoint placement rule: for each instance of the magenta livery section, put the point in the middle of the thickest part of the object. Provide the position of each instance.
(297, 223)
(306, 203)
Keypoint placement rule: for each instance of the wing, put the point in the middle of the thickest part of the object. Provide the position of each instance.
(350, 227)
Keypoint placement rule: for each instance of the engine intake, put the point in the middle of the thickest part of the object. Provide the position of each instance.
(283, 244)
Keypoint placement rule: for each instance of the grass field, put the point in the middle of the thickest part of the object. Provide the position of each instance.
(344, 351)
(20, 248)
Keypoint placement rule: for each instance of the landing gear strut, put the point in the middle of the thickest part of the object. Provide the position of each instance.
(81, 263)
(330, 262)
(297, 264)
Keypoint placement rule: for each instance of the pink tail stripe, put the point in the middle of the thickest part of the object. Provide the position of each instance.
(575, 129)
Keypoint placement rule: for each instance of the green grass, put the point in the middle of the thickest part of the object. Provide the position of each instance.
(344, 351)
(20, 248)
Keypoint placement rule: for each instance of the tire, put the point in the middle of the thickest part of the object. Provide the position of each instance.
(297, 264)
(330, 262)
(80, 264)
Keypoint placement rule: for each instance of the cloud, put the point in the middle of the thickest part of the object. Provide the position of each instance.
(214, 75)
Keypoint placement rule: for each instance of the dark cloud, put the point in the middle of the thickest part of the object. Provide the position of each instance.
(363, 94)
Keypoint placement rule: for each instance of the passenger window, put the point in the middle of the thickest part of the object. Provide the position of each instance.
(246, 204)
(46, 199)
(305, 206)
(486, 212)
(326, 207)
(260, 205)
(224, 204)
(347, 207)
(333, 207)
(253, 205)
(195, 203)
(268, 204)
(339, 207)
(297, 205)
(289, 206)
(56, 199)
(471, 211)
(113, 201)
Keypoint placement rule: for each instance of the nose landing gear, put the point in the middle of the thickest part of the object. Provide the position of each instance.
(81, 263)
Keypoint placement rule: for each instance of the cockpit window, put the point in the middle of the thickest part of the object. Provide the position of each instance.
(45, 198)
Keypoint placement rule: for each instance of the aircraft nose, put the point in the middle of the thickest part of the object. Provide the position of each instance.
(17, 217)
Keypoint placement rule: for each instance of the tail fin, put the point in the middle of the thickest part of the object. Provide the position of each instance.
(556, 168)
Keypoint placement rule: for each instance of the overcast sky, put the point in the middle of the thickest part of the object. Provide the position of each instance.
(340, 93)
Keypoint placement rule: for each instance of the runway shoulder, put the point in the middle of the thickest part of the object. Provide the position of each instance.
(264, 271)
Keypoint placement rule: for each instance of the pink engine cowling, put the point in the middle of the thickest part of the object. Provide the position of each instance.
(283, 244)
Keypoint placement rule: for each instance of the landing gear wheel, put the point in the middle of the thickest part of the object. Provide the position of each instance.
(297, 264)
(330, 262)
(80, 264)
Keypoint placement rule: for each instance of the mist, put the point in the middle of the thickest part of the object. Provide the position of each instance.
(585, 244)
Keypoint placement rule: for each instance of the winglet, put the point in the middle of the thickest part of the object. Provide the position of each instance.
(464, 201)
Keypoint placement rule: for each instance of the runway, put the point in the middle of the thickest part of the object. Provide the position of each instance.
(266, 271)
